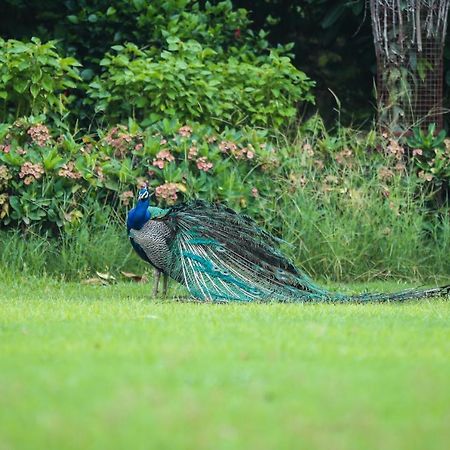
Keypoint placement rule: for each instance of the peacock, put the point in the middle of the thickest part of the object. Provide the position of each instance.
(220, 255)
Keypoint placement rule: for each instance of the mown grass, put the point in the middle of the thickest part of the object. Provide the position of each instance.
(98, 367)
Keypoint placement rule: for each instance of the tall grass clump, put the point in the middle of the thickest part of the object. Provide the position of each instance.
(351, 210)
(75, 255)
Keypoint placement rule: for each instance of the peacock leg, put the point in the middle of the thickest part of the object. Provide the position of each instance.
(157, 274)
(165, 284)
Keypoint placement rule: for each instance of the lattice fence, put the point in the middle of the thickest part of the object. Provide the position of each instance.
(409, 40)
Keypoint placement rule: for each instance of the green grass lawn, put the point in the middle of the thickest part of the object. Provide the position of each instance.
(92, 367)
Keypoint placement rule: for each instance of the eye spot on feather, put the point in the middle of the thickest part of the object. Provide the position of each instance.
(280, 274)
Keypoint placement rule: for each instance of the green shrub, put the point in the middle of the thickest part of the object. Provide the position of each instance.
(34, 78)
(90, 28)
(189, 83)
(191, 49)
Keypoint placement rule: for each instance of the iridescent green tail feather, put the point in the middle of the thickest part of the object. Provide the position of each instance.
(224, 256)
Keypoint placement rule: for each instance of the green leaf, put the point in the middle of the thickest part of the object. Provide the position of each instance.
(34, 89)
(440, 138)
(20, 86)
(47, 83)
(15, 203)
(87, 74)
(36, 76)
(73, 19)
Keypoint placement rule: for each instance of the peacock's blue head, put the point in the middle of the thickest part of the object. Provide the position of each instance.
(143, 193)
(140, 213)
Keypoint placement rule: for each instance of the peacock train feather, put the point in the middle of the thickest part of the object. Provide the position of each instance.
(221, 255)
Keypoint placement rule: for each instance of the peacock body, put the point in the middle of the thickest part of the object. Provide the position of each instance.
(220, 255)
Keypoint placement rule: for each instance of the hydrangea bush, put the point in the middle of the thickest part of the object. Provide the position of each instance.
(55, 179)
(49, 178)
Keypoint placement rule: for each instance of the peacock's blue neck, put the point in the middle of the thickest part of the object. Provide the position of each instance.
(139, 215)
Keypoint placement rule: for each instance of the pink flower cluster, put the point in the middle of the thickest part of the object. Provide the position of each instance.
(239, 153)
(87, 149)
(426, 175)
(40, 134)
(162, 157)
(31, 172)
(255, 192)
(227, 147)
(125, 197)
(447, 145)
(168, 192)
(344, 156)
(297, 180)
(245, 152)
(4, 205)
(99, 172)
(395, 149)
(5, 176)
(119, 139)
(204, 164)
(68, 171)
(185, 131)
(7, 148)
(385, 173)
(141, 182)
(192, 153)
(201, 162)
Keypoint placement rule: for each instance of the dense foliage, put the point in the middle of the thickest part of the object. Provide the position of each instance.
(189, 96)
(51, 178)
(180, 59)
(89, 28)
(332, 40)
(189, 82)
(34, 78)
(349, 203)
